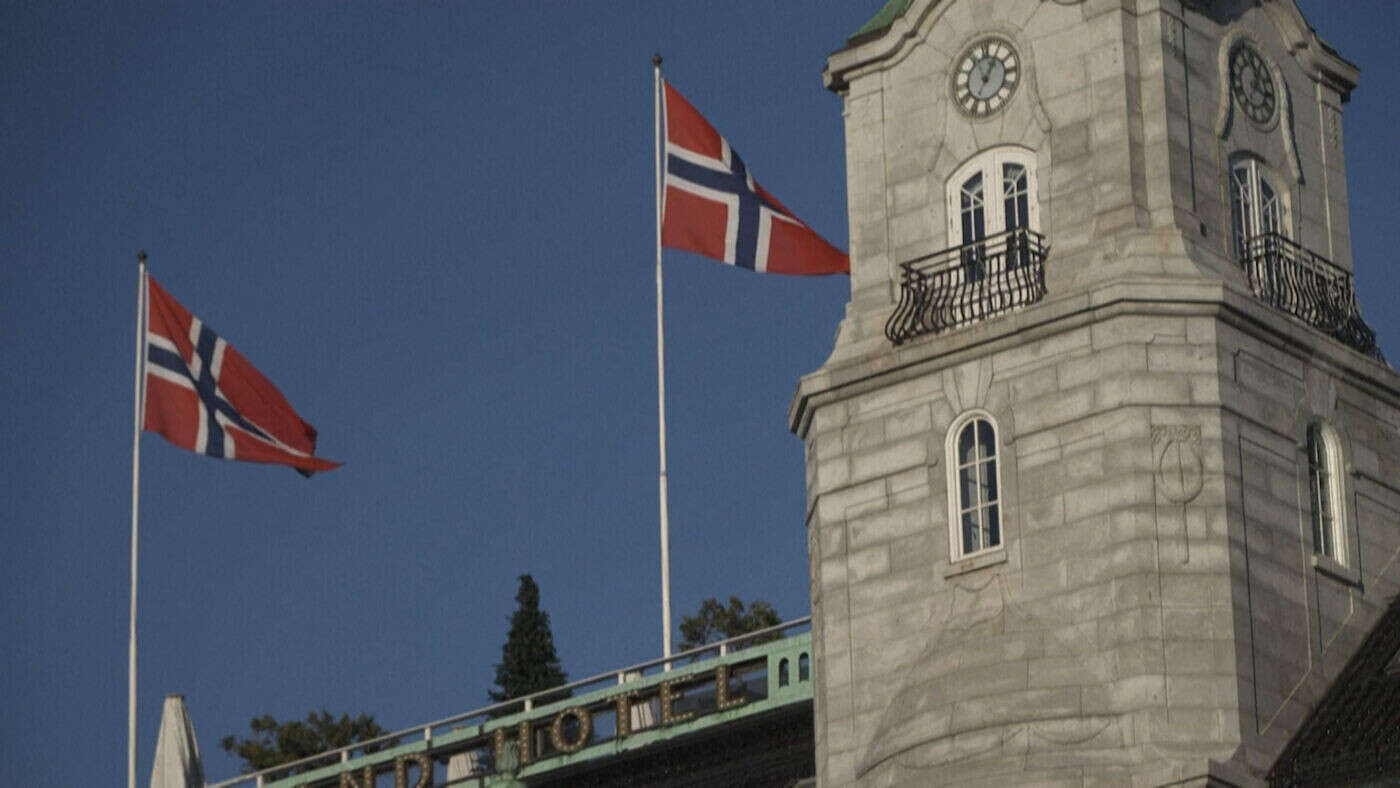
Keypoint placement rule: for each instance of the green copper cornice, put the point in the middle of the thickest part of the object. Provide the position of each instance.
(885, 17)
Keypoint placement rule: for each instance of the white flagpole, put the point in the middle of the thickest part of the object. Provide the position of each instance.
(661, 385)
(138, 411)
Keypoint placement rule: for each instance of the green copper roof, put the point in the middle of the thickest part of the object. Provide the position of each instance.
(885, 17)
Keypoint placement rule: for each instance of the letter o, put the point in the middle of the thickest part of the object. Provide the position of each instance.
(585, 729)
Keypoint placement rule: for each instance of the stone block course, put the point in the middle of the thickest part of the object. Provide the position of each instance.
(971, 715)
(889, 524)
(889, 459)
(832, 474)
(1079, 541)
(1123, 694)
(1137, 658)
(912, 421)
(1041, 353)
(1069, 671)
(898, 396)
(831, 541)
(853, 501)
(882, 591)
(833, 572)
(1089, 368)
(887, 657)
(1065, 638)
(1055, 409)
(1138, 330)
(1133, 625)
(1045, 513)
(1203, 587)
(1137, 590)
(1004, 648)
(862, 435)
(1099, 494)
(1201, 692)
(912, 485)
(863, 564)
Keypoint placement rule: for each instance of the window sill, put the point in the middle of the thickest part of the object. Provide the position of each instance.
(1336, 570)
(974, 562)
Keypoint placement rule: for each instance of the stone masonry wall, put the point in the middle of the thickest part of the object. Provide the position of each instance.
(1299, 616)
(1047, 659)
(1155, 614)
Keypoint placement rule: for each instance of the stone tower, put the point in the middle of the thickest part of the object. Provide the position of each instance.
(1102, 470)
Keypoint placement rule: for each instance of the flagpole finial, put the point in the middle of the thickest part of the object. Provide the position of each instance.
(141, 256)
(656, 60)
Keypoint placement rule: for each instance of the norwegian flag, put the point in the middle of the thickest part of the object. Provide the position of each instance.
(202, 395)
(714, 207)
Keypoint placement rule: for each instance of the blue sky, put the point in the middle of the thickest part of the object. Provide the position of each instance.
(432, 228)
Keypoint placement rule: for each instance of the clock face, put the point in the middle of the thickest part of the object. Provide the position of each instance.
(985, 77)
(1251, 85)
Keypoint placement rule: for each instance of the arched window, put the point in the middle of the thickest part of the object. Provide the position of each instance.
(974, 496)
(1325, 485)
(990, 197)
(993, 192)
(1257, 208)
(783, 672)
(804, 667)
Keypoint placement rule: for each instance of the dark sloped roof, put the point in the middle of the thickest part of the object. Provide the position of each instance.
(1354, 733)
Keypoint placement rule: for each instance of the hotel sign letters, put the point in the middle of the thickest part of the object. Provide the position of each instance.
(566, 731)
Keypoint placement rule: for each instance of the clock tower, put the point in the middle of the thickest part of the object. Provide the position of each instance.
(1102, 468)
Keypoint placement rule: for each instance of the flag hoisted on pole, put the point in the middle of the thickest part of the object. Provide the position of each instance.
(200, 394)
(714, 207)
(707, 202)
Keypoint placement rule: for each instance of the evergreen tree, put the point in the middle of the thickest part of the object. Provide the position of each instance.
(528, 661)
(274, 743)
(717, 622)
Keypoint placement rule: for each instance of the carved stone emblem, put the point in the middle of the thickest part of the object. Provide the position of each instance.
(1177, 451)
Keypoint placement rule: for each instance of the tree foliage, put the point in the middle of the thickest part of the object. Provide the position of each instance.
(715, 621)
(274, 743)
(528, 660)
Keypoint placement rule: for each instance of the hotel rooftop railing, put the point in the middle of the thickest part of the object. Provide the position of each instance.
(968, 283)
(1308, 287)
(594, 717)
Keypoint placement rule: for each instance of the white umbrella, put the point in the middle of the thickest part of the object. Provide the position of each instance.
(177, 753)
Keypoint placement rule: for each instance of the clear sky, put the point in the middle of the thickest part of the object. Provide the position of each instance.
(431, 225)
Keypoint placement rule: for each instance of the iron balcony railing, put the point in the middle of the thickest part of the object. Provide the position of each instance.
(1308, 287)
(968, 283)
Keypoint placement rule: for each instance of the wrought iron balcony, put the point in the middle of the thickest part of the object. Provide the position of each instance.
(968, 283)
(1308, 287)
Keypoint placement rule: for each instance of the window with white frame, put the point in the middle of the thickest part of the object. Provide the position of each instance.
(993, 192)
(974, 482)
(1256, 206)
(1325, 486)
